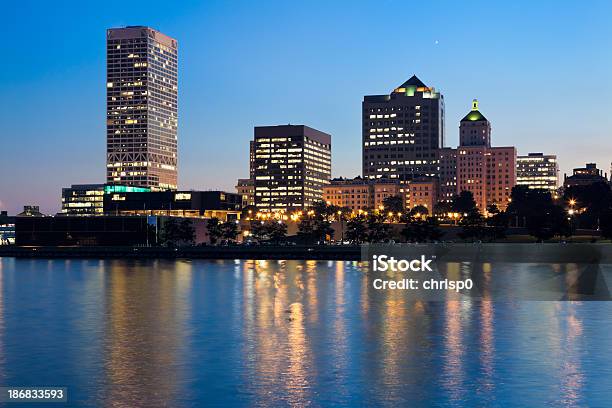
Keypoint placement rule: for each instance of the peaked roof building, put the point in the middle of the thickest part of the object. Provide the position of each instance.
(402, 131)
(413, 82)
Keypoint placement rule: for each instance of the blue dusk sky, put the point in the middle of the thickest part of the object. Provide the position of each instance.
(541, 71)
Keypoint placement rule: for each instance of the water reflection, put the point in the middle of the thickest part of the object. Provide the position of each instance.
(572, 376)
(279, 333)
(277, 347)
(145, 313)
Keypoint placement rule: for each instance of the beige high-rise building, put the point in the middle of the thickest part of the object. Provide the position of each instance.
(488, 172)
(142, 111)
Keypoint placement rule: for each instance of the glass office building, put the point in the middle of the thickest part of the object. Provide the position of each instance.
(291, 165)
(402, 132)
(538, 171)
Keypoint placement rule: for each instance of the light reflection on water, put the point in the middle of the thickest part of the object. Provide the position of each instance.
(276, 333)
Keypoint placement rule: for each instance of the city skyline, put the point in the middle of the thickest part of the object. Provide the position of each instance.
(545, 106)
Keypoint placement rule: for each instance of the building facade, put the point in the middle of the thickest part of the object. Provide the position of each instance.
(422, 191)
(83, 231)
(142, 111)
(584, 176)
(538, 171)
(31, 211)
(7, 229)
(500, 176)
(193, 204)
(291, 165)
(252, 159)
(475, 129)
(88, 199)
(83, 200)
(402, 132)
(488, 172)
(471, 173)
(447, 173)
(246, 189)
(359, 193)
(383, 189)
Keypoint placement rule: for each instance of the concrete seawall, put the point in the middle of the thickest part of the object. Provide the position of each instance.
(323, 252)
(456, 252)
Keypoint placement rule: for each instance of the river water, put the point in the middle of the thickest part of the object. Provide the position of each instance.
(131, 333)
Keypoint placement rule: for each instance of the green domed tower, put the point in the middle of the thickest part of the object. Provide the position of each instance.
(474, 128)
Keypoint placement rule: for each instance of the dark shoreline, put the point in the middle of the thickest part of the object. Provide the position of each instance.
(302, 252)
(591, 253)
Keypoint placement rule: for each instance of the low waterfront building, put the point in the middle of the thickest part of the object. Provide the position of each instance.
(31, 211)
(113, 188)
(196, 204)
(349, 193)
(246, 189)
(384, 189)
(584, 176)
(291, 165)
(359, 193)
(538, 171)
(422, 191)
(83, 200)
(110, 230)
(7, 229)
(88, 199)
(82, 231)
